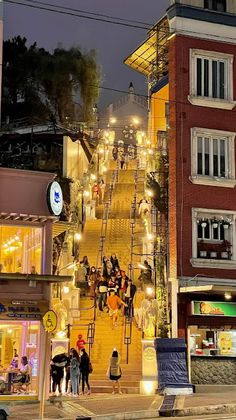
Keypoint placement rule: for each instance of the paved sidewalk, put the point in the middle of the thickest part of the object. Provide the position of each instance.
(90, 406)
(119, 407)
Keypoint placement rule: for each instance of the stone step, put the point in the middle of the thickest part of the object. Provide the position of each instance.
(108, 389)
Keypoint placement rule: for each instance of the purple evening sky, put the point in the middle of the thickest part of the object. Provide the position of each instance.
(113, 43)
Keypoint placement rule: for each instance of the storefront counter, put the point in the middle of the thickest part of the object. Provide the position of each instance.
(217, 369)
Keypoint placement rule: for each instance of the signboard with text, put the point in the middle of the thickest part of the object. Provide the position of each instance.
(209, 308)
(22, 309)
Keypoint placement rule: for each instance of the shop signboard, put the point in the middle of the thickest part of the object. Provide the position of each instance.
(50, 321)
(55, 198)
(210, 308)
(22, 309)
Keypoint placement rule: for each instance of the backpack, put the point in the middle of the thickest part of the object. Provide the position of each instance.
(90, 367)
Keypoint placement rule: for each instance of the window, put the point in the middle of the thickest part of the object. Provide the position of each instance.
(211, 79)
(20, 249)
(213, 233)
(218, 5)
(213, 157)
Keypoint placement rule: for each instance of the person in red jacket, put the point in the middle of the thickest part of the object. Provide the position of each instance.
(80, 343)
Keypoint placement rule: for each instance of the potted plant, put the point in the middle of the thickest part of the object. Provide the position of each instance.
(215, 223)
(202, 249)
(226, 250)
(226, 224)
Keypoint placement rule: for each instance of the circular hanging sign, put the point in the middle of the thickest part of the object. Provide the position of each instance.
(50, 321)
(55, 198)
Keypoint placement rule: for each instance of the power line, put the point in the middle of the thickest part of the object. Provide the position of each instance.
(89, 13)
(64, 12)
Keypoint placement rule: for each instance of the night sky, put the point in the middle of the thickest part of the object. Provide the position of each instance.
(113, 43)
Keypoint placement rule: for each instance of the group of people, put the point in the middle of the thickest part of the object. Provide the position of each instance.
(98, 191)
(74, 367)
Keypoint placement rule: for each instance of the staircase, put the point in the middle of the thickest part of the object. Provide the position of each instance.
(117, 241)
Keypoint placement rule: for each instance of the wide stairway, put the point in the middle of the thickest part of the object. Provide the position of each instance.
(117, 241)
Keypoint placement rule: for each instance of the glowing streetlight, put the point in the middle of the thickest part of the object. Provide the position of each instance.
(77, 236)
(113, 120)
(136, 120)
(150, 193)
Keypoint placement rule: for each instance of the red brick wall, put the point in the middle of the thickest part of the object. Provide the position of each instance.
(183, 116)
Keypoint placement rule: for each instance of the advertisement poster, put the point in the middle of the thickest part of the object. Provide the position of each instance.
(214, 308)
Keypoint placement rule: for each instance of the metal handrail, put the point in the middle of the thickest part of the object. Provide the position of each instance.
(128, 332)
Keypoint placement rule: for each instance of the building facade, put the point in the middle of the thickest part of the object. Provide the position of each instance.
(196, 60)
(27, 216)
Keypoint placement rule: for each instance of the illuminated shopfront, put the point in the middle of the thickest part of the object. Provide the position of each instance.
(20, 249)
(21, 338)
(30, 203)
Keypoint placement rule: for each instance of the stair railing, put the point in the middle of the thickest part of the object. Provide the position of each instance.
(90, 333)
(106, 212)
(128, 330)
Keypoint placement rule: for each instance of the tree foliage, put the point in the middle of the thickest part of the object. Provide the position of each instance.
(40, 84)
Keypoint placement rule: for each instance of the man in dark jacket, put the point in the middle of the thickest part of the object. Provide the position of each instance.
(129, 296)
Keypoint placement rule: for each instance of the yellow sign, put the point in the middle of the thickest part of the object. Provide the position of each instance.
(50, 321)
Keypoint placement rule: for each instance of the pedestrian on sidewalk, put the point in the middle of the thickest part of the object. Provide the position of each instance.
(114, 303)
(68, 381)
(102, 293)
(58, 364)
(86, 369)
(114, 371)
(75, 373)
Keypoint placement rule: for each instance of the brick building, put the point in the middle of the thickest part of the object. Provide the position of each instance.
(193, 69)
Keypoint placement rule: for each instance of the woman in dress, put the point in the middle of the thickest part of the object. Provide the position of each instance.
(114, 371)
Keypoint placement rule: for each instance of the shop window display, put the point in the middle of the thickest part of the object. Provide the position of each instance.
(19, 354)
(20, 249)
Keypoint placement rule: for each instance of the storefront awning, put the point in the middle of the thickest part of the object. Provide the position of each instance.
(19, 217)
(208, 289)
(41, 278)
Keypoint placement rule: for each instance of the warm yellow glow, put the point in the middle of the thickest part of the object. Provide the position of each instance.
(9, 330)
(77, 236)
(142, 266)
(135, 120)
(113, 120)
(149, 291)
(150, 151)
(148, 387)
(66, 289)
(93, 177)
(228, 295)
(150, 193)
(86, 193)
(104, 169)
(149, 236)
(61, 334)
